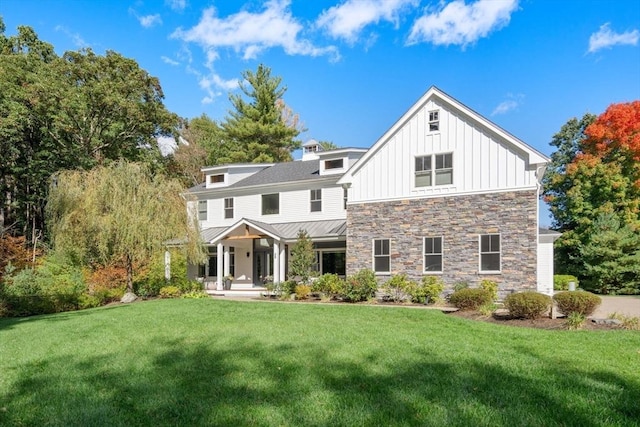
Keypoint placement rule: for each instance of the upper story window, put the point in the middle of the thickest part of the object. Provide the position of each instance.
(228, 208)
(216, 179)
(443, 170)
(334, 164)
(433, 254)
(490, 253)
(316, 200)
(434, 121)
(202, 210)
(270, 204)
(345, 197)
(381, 256)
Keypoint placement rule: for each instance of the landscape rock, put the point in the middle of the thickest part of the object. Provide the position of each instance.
(128, 297)
(606, 321)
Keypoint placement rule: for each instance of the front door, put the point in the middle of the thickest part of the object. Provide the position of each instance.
(262, 266)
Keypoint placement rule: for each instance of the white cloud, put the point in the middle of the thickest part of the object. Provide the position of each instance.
(75, 37)
(511, 103)
(347, 20)
(149, 21)
(251, 33)
(605, 38)
(169, 61)
(460, 24)
(178, 5)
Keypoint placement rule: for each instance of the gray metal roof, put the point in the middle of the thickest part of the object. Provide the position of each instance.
(547, 231)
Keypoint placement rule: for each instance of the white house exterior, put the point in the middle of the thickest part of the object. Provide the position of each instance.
(444, 191)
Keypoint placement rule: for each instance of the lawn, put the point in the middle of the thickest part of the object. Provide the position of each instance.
(228, 363)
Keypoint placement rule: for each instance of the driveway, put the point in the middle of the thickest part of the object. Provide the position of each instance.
(627, 305)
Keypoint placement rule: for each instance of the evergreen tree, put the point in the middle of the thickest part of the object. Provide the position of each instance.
(302, 257)
(262, 128)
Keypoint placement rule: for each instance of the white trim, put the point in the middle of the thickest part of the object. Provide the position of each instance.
(480, 270)
(373, 256)
(441, 255)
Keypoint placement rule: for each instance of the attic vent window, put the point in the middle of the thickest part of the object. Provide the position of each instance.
(434, 121)
(216, 179)
(334, 164)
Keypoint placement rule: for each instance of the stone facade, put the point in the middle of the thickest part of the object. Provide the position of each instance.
(459, 220)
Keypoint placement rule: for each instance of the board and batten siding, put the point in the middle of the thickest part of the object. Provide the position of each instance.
(295, 206)
(482, 161)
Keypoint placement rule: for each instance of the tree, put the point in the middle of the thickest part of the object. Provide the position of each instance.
(595, 174)
(262, 129)
(302, 257)
(328, 145)
(119, 212)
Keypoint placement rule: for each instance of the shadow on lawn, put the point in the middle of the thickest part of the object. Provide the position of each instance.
(222, 384)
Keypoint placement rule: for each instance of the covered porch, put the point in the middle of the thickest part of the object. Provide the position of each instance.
(246, 256)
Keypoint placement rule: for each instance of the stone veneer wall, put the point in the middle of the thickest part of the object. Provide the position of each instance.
(459, 220)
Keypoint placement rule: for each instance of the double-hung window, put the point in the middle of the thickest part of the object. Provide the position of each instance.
(381, 256)
(440, 165)
(316, 200)
(490, 253)
(433, 254)
(228, 208)
(270, 204)
(434, 121)
(202, 210)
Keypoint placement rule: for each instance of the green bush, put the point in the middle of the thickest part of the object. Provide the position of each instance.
(575, 321)
(527, 305)
(195, 294)
(169, 292)
(88, 301)
(491, 287)
(581, 302)
(330, 285)
(470, 298)
(427, 291)
(302, 291)
(288, 287)
(561, 282)
(398, 287)
(360, 287)
(458, 286)
(149, 288)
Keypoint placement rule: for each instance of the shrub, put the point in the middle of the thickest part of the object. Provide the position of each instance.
(195, 295)
(288, 287)
(329, 285)
(428, 291)
(398, 287)
(149, 288)
(169, 292)
(527, 305)
(581, 302)
(360, 287)
(491, 287)
(302, 291)
(469, 298)
(628, 322)
(458, 286)
(575, 321)
(561, 282)
(487, 309)
(88, 301)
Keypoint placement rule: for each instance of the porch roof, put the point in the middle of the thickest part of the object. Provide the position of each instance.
(328, 229)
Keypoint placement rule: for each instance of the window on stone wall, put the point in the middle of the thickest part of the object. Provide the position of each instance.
(490, 253)
(433, 254)
(381, 256)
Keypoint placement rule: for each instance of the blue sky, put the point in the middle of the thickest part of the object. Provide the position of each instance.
(353, 67)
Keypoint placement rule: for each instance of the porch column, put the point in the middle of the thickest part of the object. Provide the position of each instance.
(226, 261)
(276, 262)
(219, 285)
(282, 263)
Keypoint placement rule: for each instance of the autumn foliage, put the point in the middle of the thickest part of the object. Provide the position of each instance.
(616, 130)
(14, 251)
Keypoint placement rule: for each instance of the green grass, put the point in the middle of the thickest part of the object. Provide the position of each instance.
(226, 363)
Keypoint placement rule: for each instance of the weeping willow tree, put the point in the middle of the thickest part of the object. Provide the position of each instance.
(119, 213)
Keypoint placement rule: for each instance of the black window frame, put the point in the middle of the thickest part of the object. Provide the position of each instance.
(270, 210)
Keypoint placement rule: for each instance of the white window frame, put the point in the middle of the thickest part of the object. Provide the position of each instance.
(315, 197)
(202, 210)
(425, 254)
(331, 164)
(229, 208)
(434, 121)
(382, 255)
(213, 179)
(490, 252)
(433, 172)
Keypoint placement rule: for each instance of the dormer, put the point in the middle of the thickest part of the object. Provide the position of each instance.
(310, 150)
(226, 175)
(338, 161)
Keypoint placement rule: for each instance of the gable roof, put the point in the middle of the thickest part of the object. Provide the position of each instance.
(282, 172)
(534, 156)
(328, 229)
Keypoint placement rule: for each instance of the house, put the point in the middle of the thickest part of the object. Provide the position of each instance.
(443, 192)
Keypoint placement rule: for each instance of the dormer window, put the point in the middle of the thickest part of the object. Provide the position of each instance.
(216, 179)
(334, 164)
(434, 121)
